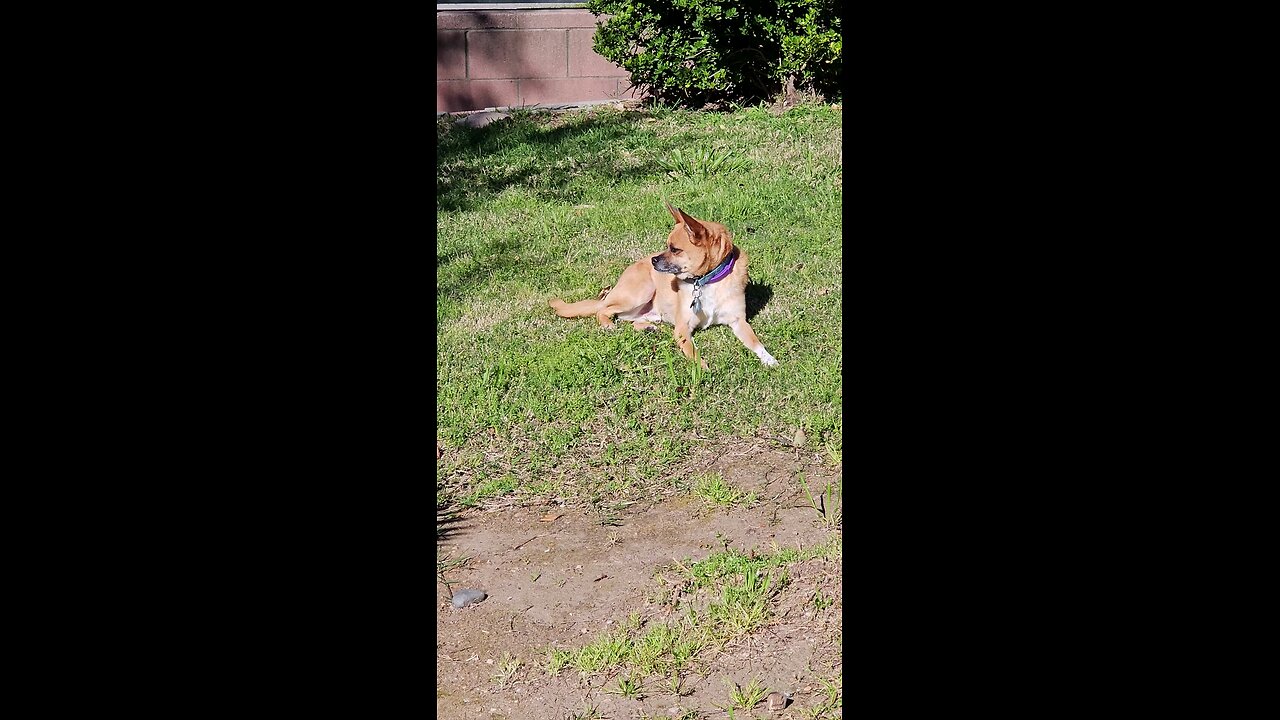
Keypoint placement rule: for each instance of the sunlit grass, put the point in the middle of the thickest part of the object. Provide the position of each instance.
(539, 206)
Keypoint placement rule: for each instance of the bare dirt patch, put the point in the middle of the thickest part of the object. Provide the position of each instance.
(560, 577)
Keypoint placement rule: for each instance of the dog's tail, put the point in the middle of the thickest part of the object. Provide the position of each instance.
(580, 309)
(583, 308)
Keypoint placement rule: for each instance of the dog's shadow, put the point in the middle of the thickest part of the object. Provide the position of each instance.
(757, 296)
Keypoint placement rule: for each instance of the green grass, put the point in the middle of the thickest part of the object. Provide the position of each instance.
(590, 712)
(828, 503)
(741, 589)
(507, 668)
(828, 700)
(447, 563)
(743, 606)
(674, 685)
(540, 206)
(713, 488)
(748, 697)
(703, 162)
(628, 687)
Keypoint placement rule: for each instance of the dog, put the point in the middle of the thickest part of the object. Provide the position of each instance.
(699, 280)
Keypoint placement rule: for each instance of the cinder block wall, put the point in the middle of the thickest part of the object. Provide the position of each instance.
(496, 58)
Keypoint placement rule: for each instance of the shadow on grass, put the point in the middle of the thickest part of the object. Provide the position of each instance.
(447, 525)
(757, 296)
(487, 256)
(549, 160)
(473, 165)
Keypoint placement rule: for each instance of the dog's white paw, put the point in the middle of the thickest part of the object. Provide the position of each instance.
(766, 358)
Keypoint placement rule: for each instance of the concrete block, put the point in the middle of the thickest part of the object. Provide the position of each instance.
(556, 19)
(517, 54)
(461, 95)
(548, 91)
(451, 56)
(477, 19)
(584, 62)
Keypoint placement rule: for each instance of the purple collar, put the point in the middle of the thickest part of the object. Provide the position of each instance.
(724, 268)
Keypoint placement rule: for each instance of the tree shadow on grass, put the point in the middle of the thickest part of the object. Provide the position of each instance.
(474, 165)
(561, 160)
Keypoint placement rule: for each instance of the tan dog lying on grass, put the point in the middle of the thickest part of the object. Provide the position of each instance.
(700, 280)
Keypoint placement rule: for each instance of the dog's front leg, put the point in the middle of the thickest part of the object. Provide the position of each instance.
(684, 338)
(748, 338)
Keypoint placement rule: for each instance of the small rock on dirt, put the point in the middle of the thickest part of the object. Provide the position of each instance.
(481, 119)
(463, 598)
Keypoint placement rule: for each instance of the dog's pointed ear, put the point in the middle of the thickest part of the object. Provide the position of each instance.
(674, 212)
(697, 232)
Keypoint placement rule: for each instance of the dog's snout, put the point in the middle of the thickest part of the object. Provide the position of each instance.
(663, 265)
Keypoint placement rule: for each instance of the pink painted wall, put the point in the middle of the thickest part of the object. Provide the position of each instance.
(494, 58)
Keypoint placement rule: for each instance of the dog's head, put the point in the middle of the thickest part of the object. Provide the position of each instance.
(694, 247)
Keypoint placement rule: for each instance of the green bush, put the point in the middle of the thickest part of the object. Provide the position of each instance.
(692, 52)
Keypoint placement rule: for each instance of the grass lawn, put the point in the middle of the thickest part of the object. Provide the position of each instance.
(537, 206)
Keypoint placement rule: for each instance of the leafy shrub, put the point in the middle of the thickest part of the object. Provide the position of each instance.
(811, 45)
(692, 52)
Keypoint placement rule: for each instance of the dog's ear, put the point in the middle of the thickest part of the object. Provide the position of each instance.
(674, 212)
(697, 232)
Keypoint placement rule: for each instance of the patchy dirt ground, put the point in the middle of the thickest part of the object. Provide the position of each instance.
(556, 577)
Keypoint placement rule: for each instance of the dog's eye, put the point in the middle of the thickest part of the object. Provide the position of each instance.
(675, 251)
